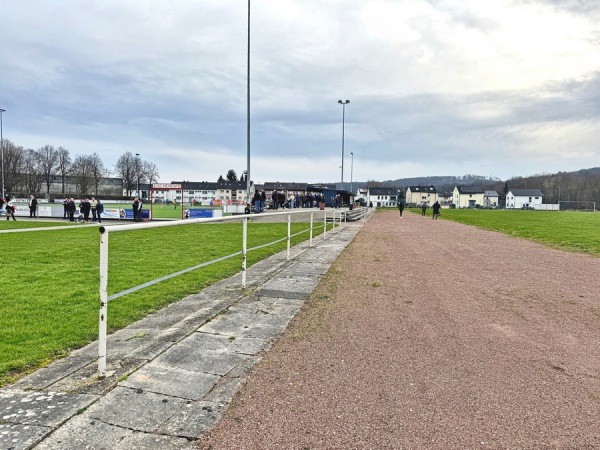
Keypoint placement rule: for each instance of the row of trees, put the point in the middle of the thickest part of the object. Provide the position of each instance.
(29, 171)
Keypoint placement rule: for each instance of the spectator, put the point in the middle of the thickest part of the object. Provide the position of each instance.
(66, 208)
(72, 209)
(85, 207)
(99, 210)
(33, 203)
(94, 205)
(436, 210)
(10, 208)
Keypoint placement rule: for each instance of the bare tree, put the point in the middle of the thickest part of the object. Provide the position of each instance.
(83, 173)
(64, 164)
(125, 168)
(13, 165)
(32, 172)
(150, 172)
(98, 171)
(47, 161)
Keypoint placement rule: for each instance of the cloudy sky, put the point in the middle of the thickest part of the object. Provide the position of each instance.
(436, 87)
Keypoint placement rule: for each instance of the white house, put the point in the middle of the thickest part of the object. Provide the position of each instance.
(524, 198)
(382, 196)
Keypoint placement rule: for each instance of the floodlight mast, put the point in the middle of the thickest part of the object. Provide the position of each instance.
(343, 103)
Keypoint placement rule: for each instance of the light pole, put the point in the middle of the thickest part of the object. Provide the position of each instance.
(343, 103)
(137, 169)
(248, 200)
(351, 170)
(2, 147)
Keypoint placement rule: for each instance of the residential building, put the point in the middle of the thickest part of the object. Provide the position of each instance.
(421, 194)
(524, 198)
(382, 196)
(490, 199)
(468, 196)
(206, 193)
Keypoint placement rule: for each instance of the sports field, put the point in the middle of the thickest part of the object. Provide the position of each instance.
(50, 279)
(49, 288)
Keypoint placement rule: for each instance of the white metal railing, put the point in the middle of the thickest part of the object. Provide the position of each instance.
(338, 217)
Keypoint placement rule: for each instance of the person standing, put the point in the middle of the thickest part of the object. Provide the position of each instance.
(99, 210)
(66, 208)
(71, 208)
(33, 203)
(423, 209)
(10, 208)
(436, 210)
(94, 205)
(85, 207)
(401, 208)
(136, 209)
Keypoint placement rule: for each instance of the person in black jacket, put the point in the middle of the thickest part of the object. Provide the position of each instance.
(71, 209)
(401, 208)
(33, 203)
(85, 207)
(436, 210)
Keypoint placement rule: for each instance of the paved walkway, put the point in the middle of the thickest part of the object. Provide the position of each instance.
(175, 371)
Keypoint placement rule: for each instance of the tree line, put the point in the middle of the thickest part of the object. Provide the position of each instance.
(29, 171)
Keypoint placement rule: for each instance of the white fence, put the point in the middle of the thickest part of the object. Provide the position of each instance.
(335, 216)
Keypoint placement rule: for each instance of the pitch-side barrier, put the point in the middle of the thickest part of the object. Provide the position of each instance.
(334, 216)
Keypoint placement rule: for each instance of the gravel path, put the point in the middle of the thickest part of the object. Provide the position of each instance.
(432, 335)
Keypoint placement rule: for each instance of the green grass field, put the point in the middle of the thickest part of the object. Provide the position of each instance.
(50, 280)
(571, 231)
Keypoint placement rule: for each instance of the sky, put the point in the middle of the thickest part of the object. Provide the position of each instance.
(498, 88)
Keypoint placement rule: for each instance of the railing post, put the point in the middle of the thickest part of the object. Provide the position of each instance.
(324, 224)
(103, 313)
(244, 248)
(289, 236)
(311, 229)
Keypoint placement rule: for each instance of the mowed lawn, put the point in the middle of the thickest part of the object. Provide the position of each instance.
(565, 230)
(49, 297)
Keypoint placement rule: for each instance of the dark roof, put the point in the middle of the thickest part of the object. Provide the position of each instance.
(270, 185)
(527, 192)
(211, 185)
(429, 189)
(383, 191)
(470, 189)
(491, 194)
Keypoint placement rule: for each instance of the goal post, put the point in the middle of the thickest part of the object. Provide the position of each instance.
(577, 205)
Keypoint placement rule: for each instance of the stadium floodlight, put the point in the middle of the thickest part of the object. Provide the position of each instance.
(2, 150)
(343, 103)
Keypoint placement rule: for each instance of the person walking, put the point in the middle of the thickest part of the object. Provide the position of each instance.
(423, 209)
(33, 203)
(436, 210)
(10, 208)
(401, 208)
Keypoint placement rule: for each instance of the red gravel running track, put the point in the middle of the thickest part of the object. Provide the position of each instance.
(432, 335)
